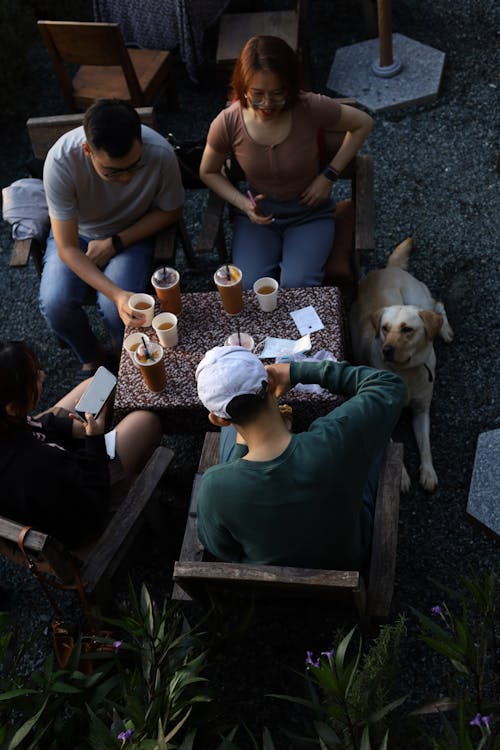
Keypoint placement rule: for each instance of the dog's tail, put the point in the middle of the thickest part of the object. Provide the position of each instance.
(401, 254)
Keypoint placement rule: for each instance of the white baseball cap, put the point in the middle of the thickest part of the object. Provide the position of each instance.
(226, 372)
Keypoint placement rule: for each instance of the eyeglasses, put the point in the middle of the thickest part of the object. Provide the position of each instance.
(273, 100)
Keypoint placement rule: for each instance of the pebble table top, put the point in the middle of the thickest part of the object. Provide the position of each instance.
(203, 324)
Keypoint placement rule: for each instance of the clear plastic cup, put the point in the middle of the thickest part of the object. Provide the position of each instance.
(152, 367)
(166, 283)
(228, 280)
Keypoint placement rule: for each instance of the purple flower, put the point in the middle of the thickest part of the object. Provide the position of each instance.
(486, 720)
(476, 721)
(329, 654)
(117, 646)
(437, 610)
(126, 735)
(310, 662)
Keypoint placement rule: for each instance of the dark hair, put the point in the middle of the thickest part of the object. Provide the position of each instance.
(267, 53)
(242, 409)
(112, 125)
(19, 368)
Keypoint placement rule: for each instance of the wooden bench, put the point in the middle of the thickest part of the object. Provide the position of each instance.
(370, 590)
(43, 133)
(355, 215)
(98, 560)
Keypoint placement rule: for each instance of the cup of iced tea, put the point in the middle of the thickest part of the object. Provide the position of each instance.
(145, 304)
(132, 343)
(228, 280)
(149, 359)
(165, 326)
(266, 290)
(166, 283)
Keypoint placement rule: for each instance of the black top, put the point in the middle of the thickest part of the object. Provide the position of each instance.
(52, 481)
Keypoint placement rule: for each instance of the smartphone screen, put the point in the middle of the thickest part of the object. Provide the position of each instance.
(97, 393)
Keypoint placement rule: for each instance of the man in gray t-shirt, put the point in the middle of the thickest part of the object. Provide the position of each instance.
(111, 185)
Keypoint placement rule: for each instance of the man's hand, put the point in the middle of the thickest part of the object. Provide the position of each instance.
(279, 378)
(130, 317)
(100, 251)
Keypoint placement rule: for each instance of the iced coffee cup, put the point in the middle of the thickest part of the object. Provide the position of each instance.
(266, 291)
(228, 281)
(166, 283)
(132, 343)
(149, 359)
(240, 339)
(145, 304)
(165, 326)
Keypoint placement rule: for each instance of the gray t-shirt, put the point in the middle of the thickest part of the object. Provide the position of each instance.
(75, 190)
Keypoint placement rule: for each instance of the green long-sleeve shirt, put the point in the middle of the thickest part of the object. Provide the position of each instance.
(304, 508)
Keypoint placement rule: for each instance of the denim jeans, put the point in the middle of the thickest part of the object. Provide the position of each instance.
(63, 293)
(292, 249)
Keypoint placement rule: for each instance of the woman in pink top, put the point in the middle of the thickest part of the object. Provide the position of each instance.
(285, 223)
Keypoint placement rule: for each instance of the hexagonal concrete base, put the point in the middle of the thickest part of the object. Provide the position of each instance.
(418, 81)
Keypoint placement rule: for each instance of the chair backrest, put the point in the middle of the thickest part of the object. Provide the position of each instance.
(76, 43)
(45, 131)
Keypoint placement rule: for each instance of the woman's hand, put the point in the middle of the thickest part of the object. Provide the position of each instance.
(253, 212)
(91, 426)
(317, 192)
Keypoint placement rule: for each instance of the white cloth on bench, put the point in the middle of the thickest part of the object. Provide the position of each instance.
(25, 209)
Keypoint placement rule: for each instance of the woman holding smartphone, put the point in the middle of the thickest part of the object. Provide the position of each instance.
(55, 472)
(285, 223)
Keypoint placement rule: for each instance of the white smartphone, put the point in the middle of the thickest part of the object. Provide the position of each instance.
(96, 395)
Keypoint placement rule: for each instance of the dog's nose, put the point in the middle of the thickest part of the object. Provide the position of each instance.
(388, 352)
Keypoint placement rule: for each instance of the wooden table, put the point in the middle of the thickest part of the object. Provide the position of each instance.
(204, 324)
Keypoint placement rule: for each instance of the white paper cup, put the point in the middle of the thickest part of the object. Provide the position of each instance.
(245, 339)
(145, 304)
(165, 326)
(131, 343)
(268, 299)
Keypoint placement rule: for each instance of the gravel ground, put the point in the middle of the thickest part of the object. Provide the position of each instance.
(436, 178)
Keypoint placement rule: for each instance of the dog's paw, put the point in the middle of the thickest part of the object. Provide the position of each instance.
(428, 478)
(405, 480)
(446, 332)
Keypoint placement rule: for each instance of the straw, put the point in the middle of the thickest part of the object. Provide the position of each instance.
(238, 329)
(148, 355)
(228, 272)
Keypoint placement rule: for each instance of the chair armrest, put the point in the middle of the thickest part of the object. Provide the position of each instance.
(365, 203)
(21, 251)
(211, 222)
(116, 539)
(385, 533)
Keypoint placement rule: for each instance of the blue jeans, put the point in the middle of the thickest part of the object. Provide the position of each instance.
(63, 294)
(228, 439)
(292, 249)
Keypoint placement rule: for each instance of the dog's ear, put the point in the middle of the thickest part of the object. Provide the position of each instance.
(432, 323)
(375, 320)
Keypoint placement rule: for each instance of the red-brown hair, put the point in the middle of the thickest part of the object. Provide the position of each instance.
(267, 53)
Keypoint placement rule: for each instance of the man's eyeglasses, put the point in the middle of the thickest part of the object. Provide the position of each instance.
(112, 173)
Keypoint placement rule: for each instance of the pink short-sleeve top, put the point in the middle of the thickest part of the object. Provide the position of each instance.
(284, 170)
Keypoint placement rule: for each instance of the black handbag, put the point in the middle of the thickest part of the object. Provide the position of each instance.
(189, 155)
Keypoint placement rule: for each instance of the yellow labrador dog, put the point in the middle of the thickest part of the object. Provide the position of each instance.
(393, 324)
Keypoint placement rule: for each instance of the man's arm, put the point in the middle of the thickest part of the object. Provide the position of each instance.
(101, 251)
(66, 238)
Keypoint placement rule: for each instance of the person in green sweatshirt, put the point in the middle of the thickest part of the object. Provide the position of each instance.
(307, 499)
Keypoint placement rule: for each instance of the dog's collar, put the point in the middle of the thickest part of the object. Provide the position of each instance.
(429, 373)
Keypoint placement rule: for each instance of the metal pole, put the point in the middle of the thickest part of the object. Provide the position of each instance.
(388, 65)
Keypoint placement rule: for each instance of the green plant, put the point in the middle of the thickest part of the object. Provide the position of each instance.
(347, 696)
(469, 640)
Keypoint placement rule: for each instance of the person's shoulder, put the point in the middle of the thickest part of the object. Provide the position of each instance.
(68, 145)
(151, 138)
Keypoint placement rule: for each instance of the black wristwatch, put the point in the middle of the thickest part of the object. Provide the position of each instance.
(331, 174)
(117, 243)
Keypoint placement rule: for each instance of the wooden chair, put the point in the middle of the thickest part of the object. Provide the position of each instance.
(235, 29)
(98, 561)
(43, 133)
(370, 590)
(107, 68)
(355, 216)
